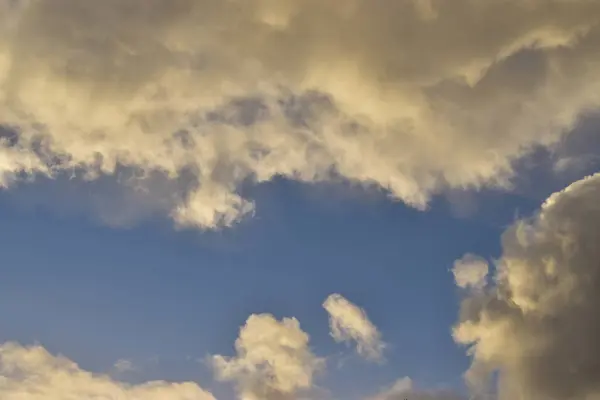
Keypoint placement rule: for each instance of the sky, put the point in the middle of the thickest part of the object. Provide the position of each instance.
(299, 199)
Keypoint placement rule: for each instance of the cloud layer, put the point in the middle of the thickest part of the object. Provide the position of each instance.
(413, 96)
(538, 324)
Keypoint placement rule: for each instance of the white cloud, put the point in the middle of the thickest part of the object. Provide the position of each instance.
(349, 323)
(413, 96)
(470, 272)
(538, 325)
(273, 361)
(31, 373)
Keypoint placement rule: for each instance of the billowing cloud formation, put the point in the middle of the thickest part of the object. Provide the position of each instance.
(539, 324)
(470, 272)
(403, 389)
(273, 360)
(413, 96)
(31, 373)
(350, 323)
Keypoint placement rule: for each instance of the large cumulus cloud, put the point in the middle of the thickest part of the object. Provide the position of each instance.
(413, 96)
(539, 323)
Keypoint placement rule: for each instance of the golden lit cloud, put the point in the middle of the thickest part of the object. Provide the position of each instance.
(412, 96)
(273, 360)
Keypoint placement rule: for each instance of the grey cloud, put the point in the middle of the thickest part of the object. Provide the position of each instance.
(538, 325)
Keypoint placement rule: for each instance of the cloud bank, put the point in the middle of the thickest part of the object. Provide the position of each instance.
(412, 96)
(32, 373)
(538, 324)
(350, 323)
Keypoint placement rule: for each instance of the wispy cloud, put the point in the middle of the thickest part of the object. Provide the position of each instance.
(349, 323)
(123, 366)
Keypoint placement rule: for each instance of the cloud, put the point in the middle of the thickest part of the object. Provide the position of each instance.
(349, 323)
(122, 366)
(470, 272)
(538, 324)
(413, 96)
(403, 389)
(32, 373)
(273, 360)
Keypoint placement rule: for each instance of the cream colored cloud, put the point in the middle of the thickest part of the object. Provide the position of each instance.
(413, 96)
(538, 325)
(470, 272)
(273, 361)
(32, 373)
(350, 323)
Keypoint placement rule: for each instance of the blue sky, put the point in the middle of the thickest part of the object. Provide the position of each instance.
(166, 299)
(299, 200)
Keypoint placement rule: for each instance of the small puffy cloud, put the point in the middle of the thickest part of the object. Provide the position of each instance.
(538, 325)
(32, 373)
(470, 272)
(403, 389)
(273, 360)
(413, 96)
(350, 323)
